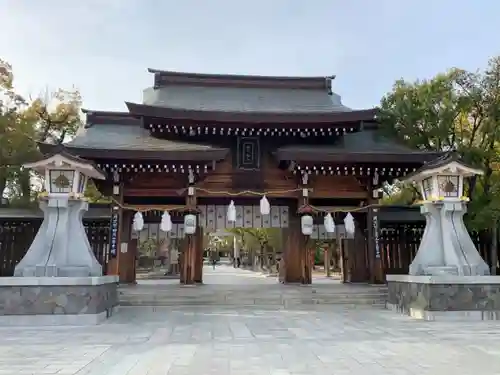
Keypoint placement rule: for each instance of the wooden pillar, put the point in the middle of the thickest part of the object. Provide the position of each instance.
(187, 275)
(374, 251)
(307, 252)
(190, 270)
(327, 257)
(127, 256)
(198, 270)
(115, 227)
(296, 263)
(291, 255)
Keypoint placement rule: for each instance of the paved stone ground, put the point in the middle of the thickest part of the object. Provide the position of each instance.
(139, 341)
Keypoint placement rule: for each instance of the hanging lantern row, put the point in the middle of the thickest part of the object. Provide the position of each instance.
(306, 221)
(166, 223)
(307, 224)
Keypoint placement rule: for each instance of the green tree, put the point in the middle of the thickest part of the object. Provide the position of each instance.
(16, 131)
(53, 118)
(455, 111)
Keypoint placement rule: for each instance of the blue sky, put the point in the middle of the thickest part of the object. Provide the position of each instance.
(104, 47)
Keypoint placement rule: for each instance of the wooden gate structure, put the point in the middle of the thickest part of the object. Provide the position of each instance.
(399, 235)
(201, 140)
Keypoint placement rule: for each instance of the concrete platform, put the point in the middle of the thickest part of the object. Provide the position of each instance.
(57, 300)
(445, 297)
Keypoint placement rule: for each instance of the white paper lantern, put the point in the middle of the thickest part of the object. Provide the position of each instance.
(138, 223)
(350, 227)
(329, 223)
(231, 212)
(189, 224)
(265, 207)
(166, 222)
(306, 222)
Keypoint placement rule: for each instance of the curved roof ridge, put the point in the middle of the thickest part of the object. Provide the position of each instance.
(238, 76)
(164, 78)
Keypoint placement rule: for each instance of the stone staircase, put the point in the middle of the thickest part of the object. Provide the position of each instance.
(262, 296)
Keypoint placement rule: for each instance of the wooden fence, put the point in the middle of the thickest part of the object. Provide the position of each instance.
(399, 243)
(17, 234)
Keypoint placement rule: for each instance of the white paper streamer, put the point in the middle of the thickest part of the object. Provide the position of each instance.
(166, 222)
(231, 212)
(138, 222)
(265, 207)
(329, 223)
(350, 227)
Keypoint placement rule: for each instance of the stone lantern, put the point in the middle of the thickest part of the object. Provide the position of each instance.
(61, 247)
(446, 247)
(59, 281)
(447, 279)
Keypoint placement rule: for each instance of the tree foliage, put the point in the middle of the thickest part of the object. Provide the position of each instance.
(53, 118)
(454, 111)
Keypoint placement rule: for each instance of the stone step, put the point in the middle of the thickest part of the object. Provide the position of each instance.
(204, 290)
(198, 296)
(376, 304)
(203, 301)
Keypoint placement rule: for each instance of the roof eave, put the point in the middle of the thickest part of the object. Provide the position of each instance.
(324, 118)
(354, 157)
(170, 155)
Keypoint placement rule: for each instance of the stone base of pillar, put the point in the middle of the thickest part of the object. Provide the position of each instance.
(445, 297)
(61, 247)
(446, 247)
(57, 300)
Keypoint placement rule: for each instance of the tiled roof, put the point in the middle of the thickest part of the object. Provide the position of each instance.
(116, 137)
(244, 99)
(364, 146)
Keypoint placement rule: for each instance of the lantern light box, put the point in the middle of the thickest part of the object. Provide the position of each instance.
(443, 179)
(66, 174)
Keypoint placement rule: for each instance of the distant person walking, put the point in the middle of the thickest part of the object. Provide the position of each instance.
(213, 258)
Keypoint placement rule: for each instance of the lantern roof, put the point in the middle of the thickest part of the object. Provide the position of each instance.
(60, 158)
(449, 163)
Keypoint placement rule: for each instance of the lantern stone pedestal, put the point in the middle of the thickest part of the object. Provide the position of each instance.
(447, 279)
(59, 281)
(61, 247)
(446, 247)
